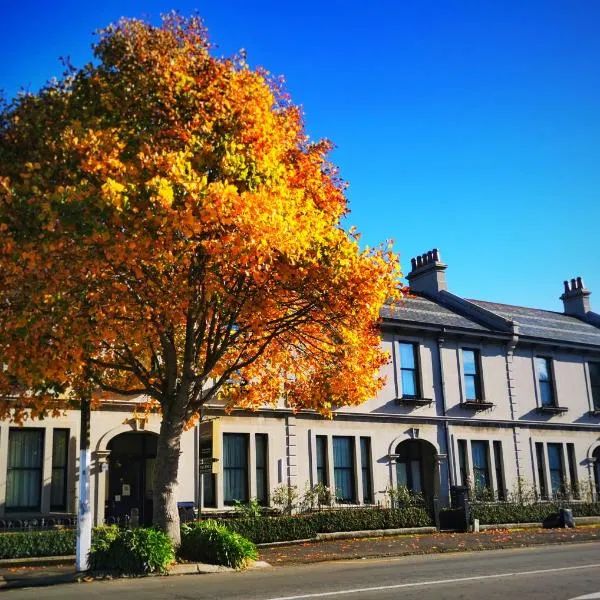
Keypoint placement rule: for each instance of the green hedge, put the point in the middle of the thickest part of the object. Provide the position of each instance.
(27, 544)
(507, 512)
(262, 530)
(285, 528)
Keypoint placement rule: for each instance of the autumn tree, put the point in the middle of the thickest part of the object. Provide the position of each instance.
(168, 230)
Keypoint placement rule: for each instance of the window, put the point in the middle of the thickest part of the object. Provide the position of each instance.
(409, 375)
(235, 467)
(365, 465)
(321, 449)
(261, 468)
(481, 466)
(24, 474)
(343, 469)
(472, 375)
(595, 384)
(541, 469)
(409, 466)
(462, 461)
(498, 462)
(555, 463)
(544, 374)
(60, 453)
(573, 471)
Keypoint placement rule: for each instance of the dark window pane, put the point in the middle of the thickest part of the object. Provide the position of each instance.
(595, 383)
(573, 470)
(365, 461)
(58, 489)
(343, 465)
(261, 468)
(235, 467)
(555, 464)
(539, 451)
(462, 461)
(546, 393)
(498, 465)
(24, 472)
(481, 469)
(321, 450)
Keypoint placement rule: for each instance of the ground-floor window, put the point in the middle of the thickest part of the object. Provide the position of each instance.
(343, 469)
(235, 467)
(481, 465)
(321, 452)
(365, 465)
(24, 474)
(556, 467)
(262, 495)
(60, 457)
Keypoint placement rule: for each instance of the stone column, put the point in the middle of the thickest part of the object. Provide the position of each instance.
(100, 471)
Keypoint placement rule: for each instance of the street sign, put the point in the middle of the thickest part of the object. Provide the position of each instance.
(205, 465)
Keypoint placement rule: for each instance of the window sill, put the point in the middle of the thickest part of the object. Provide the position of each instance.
(413, 401)
(552, 410)
(477, 404)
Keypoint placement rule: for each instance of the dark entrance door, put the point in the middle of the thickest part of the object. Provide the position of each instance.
(130, 476)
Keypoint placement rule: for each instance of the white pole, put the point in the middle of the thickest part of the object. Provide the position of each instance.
(84, 514)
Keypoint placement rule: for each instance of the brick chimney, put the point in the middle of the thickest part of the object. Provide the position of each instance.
(576, 298)
(428, 273)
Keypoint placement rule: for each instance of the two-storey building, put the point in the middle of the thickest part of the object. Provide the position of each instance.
(476, 392)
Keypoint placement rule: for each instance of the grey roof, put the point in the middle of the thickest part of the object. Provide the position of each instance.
(423, 310)
(532, 322)
(545, 324)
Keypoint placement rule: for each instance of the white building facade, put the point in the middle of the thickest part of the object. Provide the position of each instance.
(490, 395)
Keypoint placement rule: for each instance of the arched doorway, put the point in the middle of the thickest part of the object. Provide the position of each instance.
(131, 476)
(415, 466)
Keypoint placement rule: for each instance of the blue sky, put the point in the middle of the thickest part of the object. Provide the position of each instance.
(469, 126)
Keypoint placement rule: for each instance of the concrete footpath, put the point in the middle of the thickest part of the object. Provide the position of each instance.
(50, 571)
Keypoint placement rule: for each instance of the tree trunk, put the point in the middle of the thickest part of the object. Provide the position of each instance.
(165, 512)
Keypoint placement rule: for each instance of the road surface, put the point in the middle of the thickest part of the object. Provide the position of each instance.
(546, 572)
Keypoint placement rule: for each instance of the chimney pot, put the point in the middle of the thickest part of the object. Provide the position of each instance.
(576, 299)
(428, 273)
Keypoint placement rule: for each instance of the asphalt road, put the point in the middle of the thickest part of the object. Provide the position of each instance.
(547, 572)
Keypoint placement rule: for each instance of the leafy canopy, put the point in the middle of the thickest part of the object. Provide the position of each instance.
(168, 229)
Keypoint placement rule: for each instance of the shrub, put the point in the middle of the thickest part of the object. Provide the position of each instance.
(26, 544)
(131, 551)
(208, 541)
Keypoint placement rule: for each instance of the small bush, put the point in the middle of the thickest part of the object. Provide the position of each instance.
(208, 541)
(131, 551)
(27, 544)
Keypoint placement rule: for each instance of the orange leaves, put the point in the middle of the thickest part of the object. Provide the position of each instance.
(169, 227)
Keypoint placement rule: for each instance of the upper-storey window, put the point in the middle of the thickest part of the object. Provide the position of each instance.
(595, 383)
(472, 374)
(544, 375)
(409, 369)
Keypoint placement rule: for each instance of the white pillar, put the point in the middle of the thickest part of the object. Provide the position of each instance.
(84, 514)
